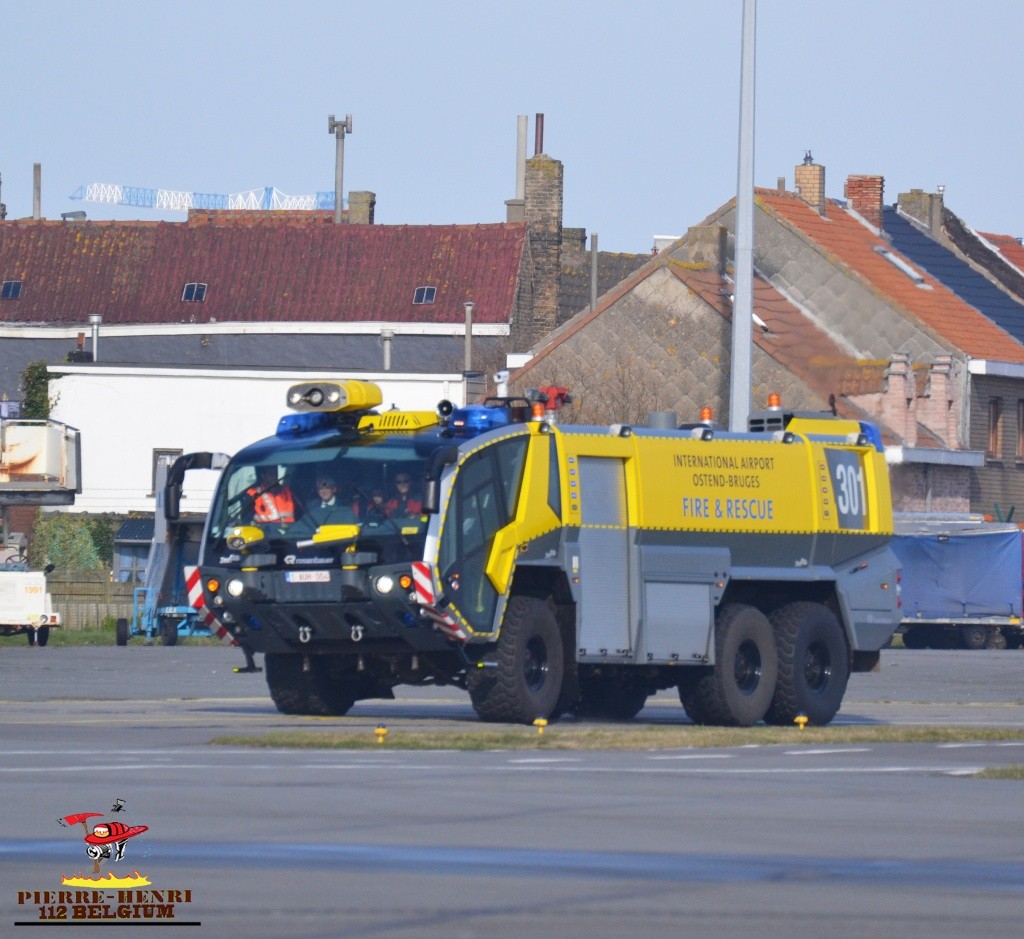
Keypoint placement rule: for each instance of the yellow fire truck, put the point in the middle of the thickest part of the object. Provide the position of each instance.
(547, 567)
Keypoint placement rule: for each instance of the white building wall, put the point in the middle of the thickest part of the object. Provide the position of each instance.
(124, 413)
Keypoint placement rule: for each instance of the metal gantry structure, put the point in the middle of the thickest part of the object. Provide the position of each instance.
(175, 201)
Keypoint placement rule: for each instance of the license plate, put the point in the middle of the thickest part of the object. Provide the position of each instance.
(307, 577)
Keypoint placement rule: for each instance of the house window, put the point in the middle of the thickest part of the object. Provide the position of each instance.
(11, 290)
(167, 457)
(194, 292)
(1020, 429)
(994, 448)
(424, 295)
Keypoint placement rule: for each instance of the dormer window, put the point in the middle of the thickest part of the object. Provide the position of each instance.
(424, 295)
(194, 293)
(11, 290)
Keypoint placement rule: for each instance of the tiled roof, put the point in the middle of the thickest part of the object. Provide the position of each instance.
(853, 245)
(1008, 247)
(788, 336)
(136, 530)
(956, 274)
(258, 270)
(574, 280)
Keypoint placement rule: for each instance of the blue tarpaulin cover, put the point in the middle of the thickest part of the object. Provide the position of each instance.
(956, 576)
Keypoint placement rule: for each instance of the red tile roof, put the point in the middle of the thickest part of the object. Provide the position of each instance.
(258, 269)
(853, 245)
(1008, 247)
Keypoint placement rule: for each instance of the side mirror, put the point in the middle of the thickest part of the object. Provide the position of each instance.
(439, 459)
(48, 569)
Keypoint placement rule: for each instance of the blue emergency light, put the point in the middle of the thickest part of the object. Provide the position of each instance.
(873, 435)
(474, 419)
(307, 422)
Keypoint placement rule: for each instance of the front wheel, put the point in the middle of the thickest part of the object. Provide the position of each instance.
(121, 631)
(739, 689)
(526, 682)
(301, 685)
(814, 664)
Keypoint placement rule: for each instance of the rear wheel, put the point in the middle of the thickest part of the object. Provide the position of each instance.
(301, 685)
(974, 637)
(121, 631)
(42, 635)
(814, 664)
(739, 689)
(526, 682)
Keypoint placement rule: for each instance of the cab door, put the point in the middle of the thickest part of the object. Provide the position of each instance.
(482, 503)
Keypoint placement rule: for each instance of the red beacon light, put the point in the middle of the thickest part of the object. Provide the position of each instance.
(774, 401)
(547, 401)
(707, 415)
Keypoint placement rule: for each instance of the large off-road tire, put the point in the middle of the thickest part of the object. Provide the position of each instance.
(308, 692)
(121, 631)
(42, 635)
(169, 632)
(613, 697)
(995, 639)
(974, 637)
(527, 681)
(814, 664)
(739, 689)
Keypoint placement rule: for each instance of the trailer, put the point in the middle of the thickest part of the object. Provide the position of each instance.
(25, 604)
(963, 582)
(160, 607)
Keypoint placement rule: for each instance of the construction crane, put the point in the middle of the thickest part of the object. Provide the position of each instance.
(173, 201)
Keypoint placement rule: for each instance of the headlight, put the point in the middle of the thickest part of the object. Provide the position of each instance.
(384, 584)
(235, 587)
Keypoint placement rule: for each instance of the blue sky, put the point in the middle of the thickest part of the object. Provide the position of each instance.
(641, 102)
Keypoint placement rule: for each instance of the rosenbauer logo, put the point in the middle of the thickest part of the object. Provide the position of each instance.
(105, 896)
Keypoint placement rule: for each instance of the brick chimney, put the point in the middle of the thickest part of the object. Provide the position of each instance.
(809, 178)
(543, 210)
(937, 410)
(924, 207)
(361, 206)
(899, 399)
(864, 194)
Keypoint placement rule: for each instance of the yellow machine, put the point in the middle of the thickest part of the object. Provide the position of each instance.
(548, 567)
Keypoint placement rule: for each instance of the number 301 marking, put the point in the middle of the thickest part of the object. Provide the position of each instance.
(850, 496)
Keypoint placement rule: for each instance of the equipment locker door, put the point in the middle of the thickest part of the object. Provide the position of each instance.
(604, 558)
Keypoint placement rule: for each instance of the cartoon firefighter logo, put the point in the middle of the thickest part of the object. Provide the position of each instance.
(104, 840)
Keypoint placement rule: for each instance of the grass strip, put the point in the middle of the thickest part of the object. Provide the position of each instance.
(618, 737)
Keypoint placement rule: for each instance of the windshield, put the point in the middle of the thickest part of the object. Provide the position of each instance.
(290, 488)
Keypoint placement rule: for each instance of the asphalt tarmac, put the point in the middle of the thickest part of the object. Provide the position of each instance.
(783, 840)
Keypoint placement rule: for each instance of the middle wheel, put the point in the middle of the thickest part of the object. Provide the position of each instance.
(739, 689)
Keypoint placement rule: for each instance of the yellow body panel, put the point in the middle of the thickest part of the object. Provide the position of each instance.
(750, 485)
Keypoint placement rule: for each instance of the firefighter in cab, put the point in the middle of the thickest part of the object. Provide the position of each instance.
(273, 502)
(403, 502)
